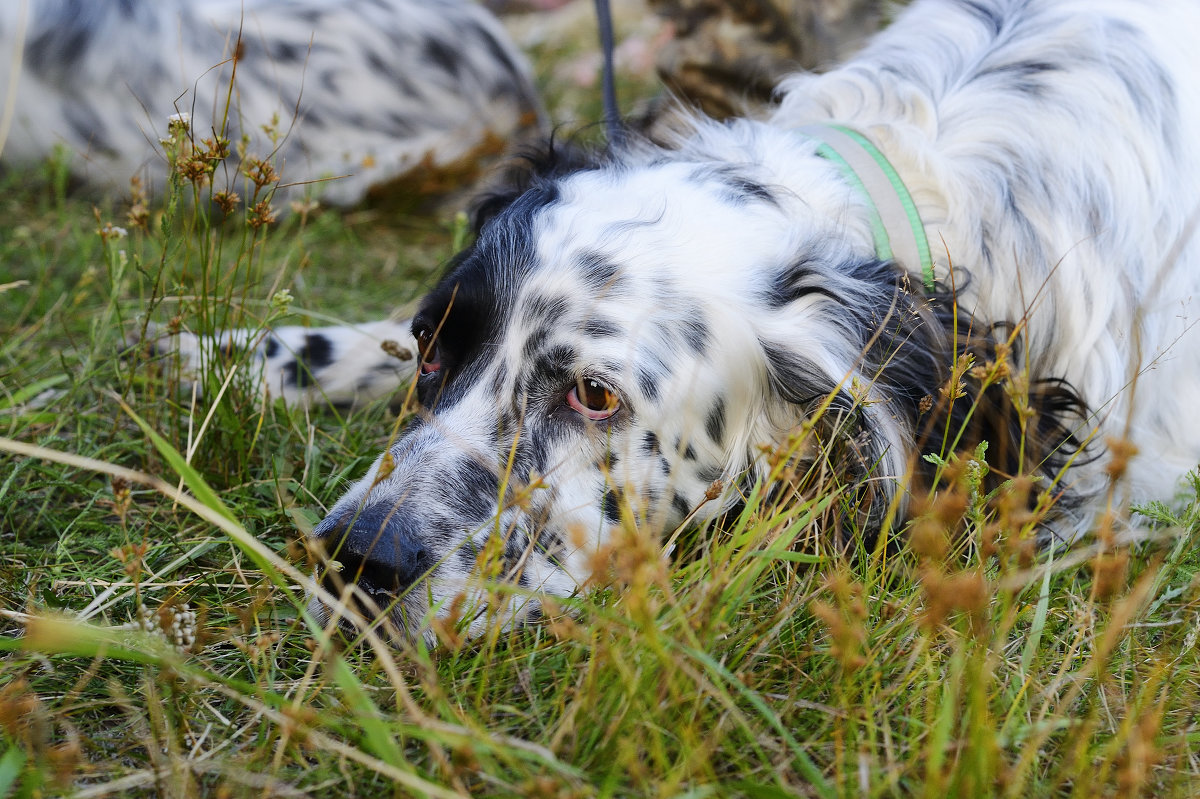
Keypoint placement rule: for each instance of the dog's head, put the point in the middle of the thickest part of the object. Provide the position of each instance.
(615, 342)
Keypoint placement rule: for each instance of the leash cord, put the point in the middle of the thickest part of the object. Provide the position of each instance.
(612, 116)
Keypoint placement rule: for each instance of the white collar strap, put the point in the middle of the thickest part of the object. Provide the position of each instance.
(895, 223)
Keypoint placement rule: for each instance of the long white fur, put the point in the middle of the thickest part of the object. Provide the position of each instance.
(1107, 276)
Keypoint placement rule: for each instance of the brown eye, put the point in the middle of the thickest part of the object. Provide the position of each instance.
(431, 359)
(593, 399)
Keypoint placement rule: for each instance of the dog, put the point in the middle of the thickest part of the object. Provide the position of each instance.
(369, 92)
(979, 229)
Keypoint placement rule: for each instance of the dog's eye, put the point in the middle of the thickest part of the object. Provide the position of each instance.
(593, 399)
(431, 357)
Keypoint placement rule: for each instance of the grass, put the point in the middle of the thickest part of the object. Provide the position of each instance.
(155, 643)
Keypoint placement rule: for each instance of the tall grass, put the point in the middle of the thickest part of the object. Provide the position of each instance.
(152, 584)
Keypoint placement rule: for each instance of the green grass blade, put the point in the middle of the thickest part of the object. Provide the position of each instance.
(11, 763)
(191, 478)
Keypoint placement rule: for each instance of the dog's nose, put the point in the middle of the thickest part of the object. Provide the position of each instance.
(379, 548)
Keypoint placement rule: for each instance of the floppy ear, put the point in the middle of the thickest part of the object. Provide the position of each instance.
(869, 357)
(536, 165)
(984, 395)
(906, 373)
(846, 446)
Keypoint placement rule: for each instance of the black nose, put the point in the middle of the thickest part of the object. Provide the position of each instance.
(378, 547)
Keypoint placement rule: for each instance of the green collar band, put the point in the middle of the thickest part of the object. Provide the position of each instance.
(895, 223)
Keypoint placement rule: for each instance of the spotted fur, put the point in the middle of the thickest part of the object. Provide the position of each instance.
(365, 91)
(727, 291)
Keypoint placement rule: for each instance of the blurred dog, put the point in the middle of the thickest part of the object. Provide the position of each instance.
(364, 91)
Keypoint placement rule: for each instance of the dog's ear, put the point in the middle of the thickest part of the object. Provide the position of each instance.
(535, 165)
(956, 382)
(984, 394)
(840, 445)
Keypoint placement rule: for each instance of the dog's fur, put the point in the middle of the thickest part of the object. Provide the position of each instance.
(728, 291)
(366, 91)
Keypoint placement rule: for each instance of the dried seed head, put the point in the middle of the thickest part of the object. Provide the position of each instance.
(950, 506)
(1109, 574)
(966, 592)
(928, 539)
(303, 208)
(448, 628)
(138, 215)
(226, 201)
(844, 620)
(1121, 450)
(394, 349)
(194, 169)
(260, 172)
(215, 150)
(261, 215)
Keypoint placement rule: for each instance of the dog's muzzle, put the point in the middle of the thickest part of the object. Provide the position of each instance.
(378, 547)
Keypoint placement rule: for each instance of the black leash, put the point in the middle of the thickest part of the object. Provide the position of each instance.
(612, 116)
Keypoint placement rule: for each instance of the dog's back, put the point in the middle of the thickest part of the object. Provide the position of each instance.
(1050, 145)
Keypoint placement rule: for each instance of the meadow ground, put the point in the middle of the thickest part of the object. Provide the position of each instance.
(154, 641)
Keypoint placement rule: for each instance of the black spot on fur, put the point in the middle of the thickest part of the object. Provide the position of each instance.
(545, 309)
(737, 188)
(612, 507)
(55, 51)
(271, 347)
(599, 274)
(559, 358)
(467, 557)
(650, 443)
(314, 355)
(714, 425)
(797, 378)
(681, 505)
(496, 50)
(648, 383)
(696, 333)
(533, 344)
(400, 126)
(514, 556)
(474, 301)
(472, 491)
(550, 544)
(281, 50)
(442, 55)
(600, 328)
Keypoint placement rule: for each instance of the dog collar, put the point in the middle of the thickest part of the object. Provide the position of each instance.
(895, 223)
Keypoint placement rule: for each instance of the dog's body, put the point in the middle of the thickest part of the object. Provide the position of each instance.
(365, 91)
(622, 335)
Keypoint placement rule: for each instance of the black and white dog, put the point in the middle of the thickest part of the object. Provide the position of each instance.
(626, 333)
(364, 91)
